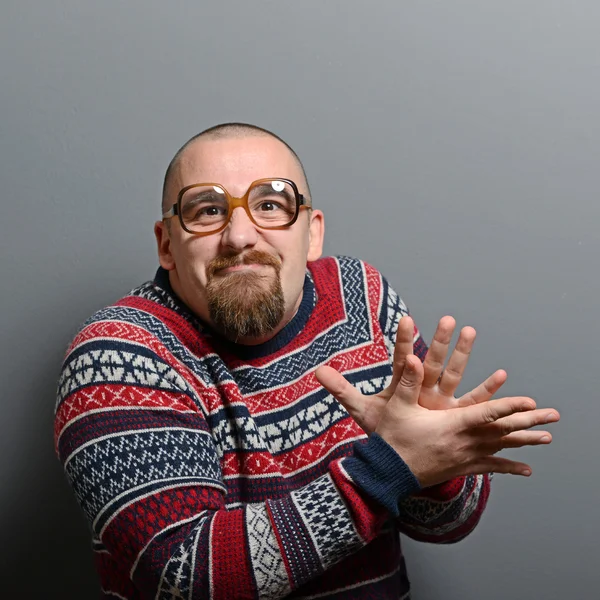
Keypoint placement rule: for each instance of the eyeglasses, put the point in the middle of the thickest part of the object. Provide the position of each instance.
(206, 208)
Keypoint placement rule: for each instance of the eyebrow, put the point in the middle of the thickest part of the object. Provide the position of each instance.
(205, 195)
(264, 187)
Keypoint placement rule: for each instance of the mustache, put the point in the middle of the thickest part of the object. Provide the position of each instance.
(252, 257)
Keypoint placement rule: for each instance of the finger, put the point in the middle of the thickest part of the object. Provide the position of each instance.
(438, 350)
(497, 464)
(341, 389)
(489, 412)
(519, 422)
(458, 361)
(484, 391)
(518, 439)
(404, 346)
(409, 387)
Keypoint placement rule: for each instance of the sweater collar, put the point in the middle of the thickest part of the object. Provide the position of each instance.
(283, 337)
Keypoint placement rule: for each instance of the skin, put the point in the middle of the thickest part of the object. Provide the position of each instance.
(235, 163)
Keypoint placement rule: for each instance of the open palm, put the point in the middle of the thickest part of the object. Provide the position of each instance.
(439, 383)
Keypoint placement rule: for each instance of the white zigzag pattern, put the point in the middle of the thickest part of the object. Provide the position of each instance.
(103, 470)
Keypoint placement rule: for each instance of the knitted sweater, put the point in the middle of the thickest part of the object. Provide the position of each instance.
(208, 469)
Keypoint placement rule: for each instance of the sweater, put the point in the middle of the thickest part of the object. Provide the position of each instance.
(209, 469)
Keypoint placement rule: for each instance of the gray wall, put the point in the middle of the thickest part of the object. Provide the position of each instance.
(454, 145)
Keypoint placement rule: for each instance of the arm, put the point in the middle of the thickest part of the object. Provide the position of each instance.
(141, 459)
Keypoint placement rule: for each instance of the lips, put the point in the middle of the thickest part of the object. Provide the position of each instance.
(243, 267)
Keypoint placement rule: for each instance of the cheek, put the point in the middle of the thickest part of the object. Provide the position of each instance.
(194, 256)
(294, 257)
(291, 245)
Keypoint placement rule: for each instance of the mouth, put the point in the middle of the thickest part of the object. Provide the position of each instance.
(252, 267)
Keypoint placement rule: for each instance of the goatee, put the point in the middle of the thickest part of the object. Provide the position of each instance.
(245, 304)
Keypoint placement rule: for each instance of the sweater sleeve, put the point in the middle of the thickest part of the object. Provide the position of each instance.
(444, 513)
(143, 463)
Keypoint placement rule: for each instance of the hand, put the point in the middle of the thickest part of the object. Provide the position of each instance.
(366, 409)
(438, 445)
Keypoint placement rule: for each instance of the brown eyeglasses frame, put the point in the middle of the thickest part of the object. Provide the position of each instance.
(234, 203)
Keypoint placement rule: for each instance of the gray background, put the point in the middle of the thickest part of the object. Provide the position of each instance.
(454, 145)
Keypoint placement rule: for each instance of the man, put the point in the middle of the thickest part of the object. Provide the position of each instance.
(256, 422)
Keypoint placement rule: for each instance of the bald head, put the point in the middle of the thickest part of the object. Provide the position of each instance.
(222, 131)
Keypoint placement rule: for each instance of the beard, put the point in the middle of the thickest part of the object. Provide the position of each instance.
(245, 304)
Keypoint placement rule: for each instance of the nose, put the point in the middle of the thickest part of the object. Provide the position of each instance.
(240, 232)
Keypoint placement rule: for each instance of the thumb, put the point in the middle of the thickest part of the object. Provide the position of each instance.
(341, 389)
(409, 387)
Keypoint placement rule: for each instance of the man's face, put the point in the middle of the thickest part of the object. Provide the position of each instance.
(245, 281)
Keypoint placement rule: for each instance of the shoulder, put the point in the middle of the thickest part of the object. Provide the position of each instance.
(141, 317)
(138, 341)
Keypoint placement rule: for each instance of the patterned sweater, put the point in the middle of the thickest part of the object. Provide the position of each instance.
(208, 469)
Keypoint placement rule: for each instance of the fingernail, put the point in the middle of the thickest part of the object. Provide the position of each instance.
(526, 472)
(551, 418)
(545, 439)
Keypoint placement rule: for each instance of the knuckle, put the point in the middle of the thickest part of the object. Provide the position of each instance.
(433, 363)
(488, 386)
(489, 414)
(452, 373)
(527, 404)
(408, 382)
(505, 427)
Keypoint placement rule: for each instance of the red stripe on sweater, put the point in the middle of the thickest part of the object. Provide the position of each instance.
(106, 396)
(368, 516)
(230, 561)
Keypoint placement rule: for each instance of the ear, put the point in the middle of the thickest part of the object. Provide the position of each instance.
(163, 242)
(316, 233)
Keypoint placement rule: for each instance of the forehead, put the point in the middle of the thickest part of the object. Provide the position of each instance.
(237, 162)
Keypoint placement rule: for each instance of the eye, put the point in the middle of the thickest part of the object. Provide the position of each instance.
(211, 211)
(268, 206)
(202, 211)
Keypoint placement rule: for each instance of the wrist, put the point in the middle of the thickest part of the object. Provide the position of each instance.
(381, 473)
